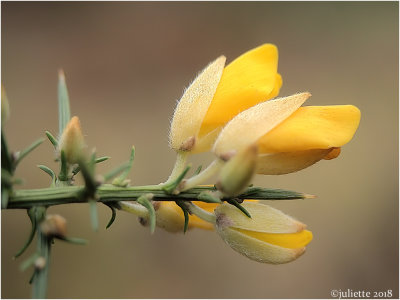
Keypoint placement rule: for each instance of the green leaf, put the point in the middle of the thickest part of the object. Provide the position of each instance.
(121, 179)
(29, 262)
(259, 193)
(97, 160)
(198, 170)
(239, 206)
(32, 216)
(63, 176)
(76, 241)
(181, 204)
(50, 172)
(6, 161)
(208, 198)
(113, 216)
(171, 187)
(4, 197)
(145, 201)
(91, 183)
(52, 139)
(32, 277)
(125, 166)
(64, 114)
(94, 215)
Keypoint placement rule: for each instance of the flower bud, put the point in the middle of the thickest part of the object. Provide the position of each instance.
(54, 226)
(269, 236)
(40, 263)
(72, 141)
(237, 173)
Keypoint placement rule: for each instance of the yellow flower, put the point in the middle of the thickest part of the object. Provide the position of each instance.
(269, 236)
(218, 94)
(310, 134)
(72, 141)
(290, 137)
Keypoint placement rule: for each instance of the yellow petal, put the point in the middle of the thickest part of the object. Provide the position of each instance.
(288, 162)
(313, 127)
(248, 80)
(170, 217)
(257, 249)
(193, 106)
(286, 240)
(252, 124)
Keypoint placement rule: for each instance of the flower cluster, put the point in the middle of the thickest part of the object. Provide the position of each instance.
(231, 112)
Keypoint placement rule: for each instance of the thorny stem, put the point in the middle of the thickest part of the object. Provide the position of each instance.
(109, 193)
(41, 276)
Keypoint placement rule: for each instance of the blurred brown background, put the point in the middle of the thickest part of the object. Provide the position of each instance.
(127, 63)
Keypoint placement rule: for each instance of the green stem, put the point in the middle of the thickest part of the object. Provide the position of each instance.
(41, 276)
(109, 193)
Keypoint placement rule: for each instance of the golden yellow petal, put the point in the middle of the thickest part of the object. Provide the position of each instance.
(286, 240)
(313, 127)
(171, 218)
(250, 79)
(288, 162)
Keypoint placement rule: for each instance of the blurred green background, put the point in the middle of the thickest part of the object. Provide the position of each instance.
(127, 64)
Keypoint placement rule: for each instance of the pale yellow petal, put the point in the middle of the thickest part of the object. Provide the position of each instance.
(288, 162)
(263, 218)
(250, 79)
(313, 127)
(252, 124)
(193, 106)
(257, 249)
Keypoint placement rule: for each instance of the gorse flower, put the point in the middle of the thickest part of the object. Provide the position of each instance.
(269, 236)
(289, 137)
(231, 112)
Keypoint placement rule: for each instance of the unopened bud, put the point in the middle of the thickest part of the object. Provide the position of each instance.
(40, 263)
(237, 173)
(72, 141)
(54, 226)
